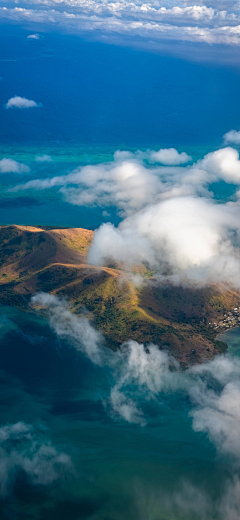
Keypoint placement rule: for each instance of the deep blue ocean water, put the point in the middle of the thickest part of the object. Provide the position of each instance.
(94, 93)
(97, 98)
(120, 470)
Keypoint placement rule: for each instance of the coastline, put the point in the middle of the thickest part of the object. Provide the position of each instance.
(232, 338)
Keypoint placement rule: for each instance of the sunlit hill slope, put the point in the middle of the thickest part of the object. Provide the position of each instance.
(54, 260)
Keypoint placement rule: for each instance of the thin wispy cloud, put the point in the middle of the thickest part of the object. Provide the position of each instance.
(43, 158)
(25, 449)
(142, 373)
(68, 326)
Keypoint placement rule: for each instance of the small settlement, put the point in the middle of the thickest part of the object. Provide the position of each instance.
(229, 320)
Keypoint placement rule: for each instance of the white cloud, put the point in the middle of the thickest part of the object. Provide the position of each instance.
(182, 233)
(133, 10)
(21, 102)
(43, 158)
(145, 372)
(233, 136)
(9, 165)
(124, 407)
(170, 156)
(220, 419)
(77, 330)
(217, 404)
(127, 184)
(223, 164)
(185, 236)
(130, 184)
(33, 36)
(23, 448)
(127, 246)
(148, 367)
(213, 389)
(137, 22)
(169, 220)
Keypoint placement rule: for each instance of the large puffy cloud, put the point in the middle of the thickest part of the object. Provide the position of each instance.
(9, 165)
(21, 102)
(133, 180)
(185, 231)
(124, 246)
(170, 220)
(23, 448)
(191, 237)
(183, 234)
(125, 182)
(223, 164)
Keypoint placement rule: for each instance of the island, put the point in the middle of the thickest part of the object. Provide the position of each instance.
(183, 320)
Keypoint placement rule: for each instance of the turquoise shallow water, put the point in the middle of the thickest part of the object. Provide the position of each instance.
(232, 338)
(120, 470)
(48, 207)
(108, 98)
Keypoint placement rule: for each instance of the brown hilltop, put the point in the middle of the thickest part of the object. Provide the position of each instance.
(54, 260)
(27, 248)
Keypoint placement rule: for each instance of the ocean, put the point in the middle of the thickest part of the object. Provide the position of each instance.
(96, 99)
(99, 94)
(120, 470)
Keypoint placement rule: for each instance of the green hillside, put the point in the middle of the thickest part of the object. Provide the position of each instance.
(54, 260)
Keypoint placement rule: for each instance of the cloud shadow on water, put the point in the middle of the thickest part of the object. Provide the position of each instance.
(19, 202)
(84, 409)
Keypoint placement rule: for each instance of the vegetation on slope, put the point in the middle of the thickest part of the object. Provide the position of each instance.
(54, 260)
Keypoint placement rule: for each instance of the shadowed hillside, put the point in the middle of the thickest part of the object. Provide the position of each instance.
(54, 260)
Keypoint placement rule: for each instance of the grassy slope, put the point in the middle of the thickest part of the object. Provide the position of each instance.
(54, 260)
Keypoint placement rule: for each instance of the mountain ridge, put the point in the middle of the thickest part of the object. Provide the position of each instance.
(55, 260)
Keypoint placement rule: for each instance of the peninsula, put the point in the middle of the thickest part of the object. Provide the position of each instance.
(185, 321)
